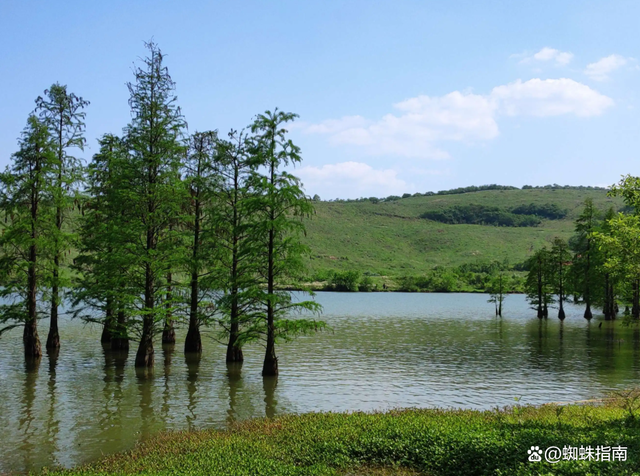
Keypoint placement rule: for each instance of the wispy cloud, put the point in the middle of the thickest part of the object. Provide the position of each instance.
(358, 178)
(423, 122)
(600, 70)
(546, 54)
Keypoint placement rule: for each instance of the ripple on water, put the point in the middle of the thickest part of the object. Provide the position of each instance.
(384, 350)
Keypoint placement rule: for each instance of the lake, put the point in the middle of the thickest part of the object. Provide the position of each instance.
(382, 351)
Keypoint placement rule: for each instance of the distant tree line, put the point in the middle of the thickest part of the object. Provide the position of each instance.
(461, 190)
(475, 214)
(162, 228)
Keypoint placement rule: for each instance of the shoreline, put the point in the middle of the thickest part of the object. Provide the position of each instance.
(403, 441)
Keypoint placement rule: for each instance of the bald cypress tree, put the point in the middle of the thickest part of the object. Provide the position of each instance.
(278, 208)
(62, 113)
(27, 194)
(103, 268)
(155, 192)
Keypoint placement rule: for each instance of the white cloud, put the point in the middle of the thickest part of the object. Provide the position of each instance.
(424, 121)
(599, 71)
(549, 97)
(561, 58)
(358, 178)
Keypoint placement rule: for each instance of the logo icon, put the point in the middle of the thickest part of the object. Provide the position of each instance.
(535, 454)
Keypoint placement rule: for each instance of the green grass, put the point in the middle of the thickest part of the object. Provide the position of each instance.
(431, 442)
(390, 238)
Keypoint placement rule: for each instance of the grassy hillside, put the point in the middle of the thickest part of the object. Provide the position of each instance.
(390, 238)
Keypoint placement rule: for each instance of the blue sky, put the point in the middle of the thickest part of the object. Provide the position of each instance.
(393, 97)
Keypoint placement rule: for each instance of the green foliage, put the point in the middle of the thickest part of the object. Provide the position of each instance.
(539, 282)
(475, 214)
(548, 210)
(27, 243)
(103, 268)
(345, 281)
(431, 441)
(277, 207)
(154, 194)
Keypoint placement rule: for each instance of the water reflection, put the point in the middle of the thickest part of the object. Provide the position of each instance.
(234, 376)
(53, 423)
(28, 425)
(388, 350)
(193, 367)
(269, 386)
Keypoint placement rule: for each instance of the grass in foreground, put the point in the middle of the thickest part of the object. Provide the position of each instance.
(403, 442)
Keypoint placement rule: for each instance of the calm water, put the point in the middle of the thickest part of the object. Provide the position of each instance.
(384, 350)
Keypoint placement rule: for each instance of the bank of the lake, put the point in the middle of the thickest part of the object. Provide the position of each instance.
(427, 441)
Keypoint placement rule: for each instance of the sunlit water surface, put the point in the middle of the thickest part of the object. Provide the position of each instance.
(383, 350)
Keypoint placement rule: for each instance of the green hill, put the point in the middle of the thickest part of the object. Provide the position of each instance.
(390, 237)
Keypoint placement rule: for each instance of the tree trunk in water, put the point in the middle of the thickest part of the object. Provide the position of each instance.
(107, 329)
(193, 342)
(607, 308)
(587, 312)
(540, 305)
(30, 336)
(144, 356)
(561, 314)
(120, 339)
(31, 340)
(545, 311)
(270, 366)
(234, 351)
(169, 333)
(53, 339)
(635, 310)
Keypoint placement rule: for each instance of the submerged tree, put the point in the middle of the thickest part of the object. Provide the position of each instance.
(26, 242)
(560, 260)
(538, 283)
(102, 263)
(610, 276)
(584, 268)
(154, 195)
(63, 114)
(198, 179)
(235, 241)
(278, 207)
(498, 291)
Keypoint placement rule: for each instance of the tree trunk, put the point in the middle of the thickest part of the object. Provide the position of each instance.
(53, 339)
(540, 303)
(107, 329)
(120, 340)
(234, 351)
(607, 308)
(169, 333)
(270, 366)
(587, 312)
(193, 342)
(635, 310)
(144, 356)
(30, 336)
(31, 340)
